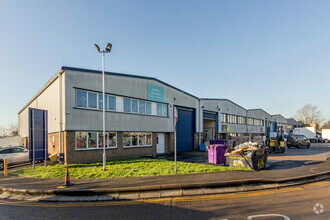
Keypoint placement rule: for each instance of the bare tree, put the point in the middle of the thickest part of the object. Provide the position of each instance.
(327, 124)
(309, 114)
(9, 130)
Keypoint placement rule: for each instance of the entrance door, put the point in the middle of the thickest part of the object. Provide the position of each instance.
(160, 143)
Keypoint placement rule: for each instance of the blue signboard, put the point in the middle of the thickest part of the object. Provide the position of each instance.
(155, 93)
(38, 134)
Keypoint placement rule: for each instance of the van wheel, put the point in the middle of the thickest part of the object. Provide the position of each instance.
(308, 145)
(299, 146)
(1, 165)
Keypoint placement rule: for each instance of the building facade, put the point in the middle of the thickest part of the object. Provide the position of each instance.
(139, 116)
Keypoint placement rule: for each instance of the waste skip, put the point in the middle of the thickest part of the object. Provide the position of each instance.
(216, 153)
(252, 158)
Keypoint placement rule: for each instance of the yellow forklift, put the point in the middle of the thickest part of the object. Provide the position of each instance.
(276, 144)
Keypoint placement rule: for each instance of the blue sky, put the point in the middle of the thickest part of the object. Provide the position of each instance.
(272, 55)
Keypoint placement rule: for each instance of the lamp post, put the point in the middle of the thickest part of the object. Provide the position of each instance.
(106, 50)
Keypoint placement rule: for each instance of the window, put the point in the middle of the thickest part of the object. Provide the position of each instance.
(164, 110)
(148, 138)
(81, 98)
(81, 140)
(127, 105)
(101, 101)
(112, 139)
(148, 108)
(134, 106)
(18, 150)
(7, 151)
(127, 139)
(92, 100)
(92, 139)
(159, 109)
(142, 109)
(142, 139)
(112, 103)
(135, 139)
(101, 140)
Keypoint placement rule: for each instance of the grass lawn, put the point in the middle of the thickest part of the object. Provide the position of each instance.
(133, 167)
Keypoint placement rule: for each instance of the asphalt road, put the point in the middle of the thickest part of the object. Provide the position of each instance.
(302, 202)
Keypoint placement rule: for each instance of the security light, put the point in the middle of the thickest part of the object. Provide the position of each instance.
(97, 48)
(108, 48)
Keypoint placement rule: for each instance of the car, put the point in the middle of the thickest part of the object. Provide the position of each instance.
(297, 140)
(14, 155)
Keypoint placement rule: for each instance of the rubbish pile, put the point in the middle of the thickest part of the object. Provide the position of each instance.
(244, 149)
(247, 155)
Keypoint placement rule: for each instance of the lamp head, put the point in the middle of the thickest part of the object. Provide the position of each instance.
(97, 48)
(108, 48)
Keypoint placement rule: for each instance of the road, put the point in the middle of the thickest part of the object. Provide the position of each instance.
(294, 157)
(309, 201)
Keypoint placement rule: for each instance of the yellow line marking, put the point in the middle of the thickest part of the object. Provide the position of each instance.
(61, 187)
(181, 199)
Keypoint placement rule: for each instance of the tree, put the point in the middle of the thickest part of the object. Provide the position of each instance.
(9, 130)
(326, 125)
(309, 114)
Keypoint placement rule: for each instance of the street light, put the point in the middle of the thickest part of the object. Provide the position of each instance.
(106, 50)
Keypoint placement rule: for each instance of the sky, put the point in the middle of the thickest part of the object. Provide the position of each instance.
(270, 54)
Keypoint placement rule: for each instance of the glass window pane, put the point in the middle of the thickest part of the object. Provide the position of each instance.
(134, 106)
(18, 150)
(148, 108)
(127, 105)
(142, 139)
(127, 139)
(81, 140)
(92, 139)
(148, 139)
(92, 100)
(159, 109)
(165, 110)
(142, 107)
(112, 102)
(101, 140)
(101, 101)
(112, 139)
(134, 139)
(81, 98)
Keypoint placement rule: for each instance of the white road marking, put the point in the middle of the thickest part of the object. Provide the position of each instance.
(268, 215)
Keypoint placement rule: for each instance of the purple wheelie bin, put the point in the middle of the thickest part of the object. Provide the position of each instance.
(216, 153)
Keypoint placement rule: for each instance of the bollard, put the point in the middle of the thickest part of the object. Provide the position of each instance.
(5, 172)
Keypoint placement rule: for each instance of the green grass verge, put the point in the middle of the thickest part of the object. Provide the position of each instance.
(134, 167)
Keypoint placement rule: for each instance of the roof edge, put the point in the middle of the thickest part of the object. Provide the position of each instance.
(215, 99)
(126, 75)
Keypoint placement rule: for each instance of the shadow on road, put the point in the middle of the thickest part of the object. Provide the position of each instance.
(290, 164)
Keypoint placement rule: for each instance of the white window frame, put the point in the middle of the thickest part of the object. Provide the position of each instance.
(97, 141)
(120, 103)
(138, 137)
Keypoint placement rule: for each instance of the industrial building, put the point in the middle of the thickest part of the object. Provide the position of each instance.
(139, 116)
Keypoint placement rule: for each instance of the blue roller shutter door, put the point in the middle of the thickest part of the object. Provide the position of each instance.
(185, 129)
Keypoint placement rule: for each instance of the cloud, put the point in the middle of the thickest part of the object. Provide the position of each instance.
(7, 36)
